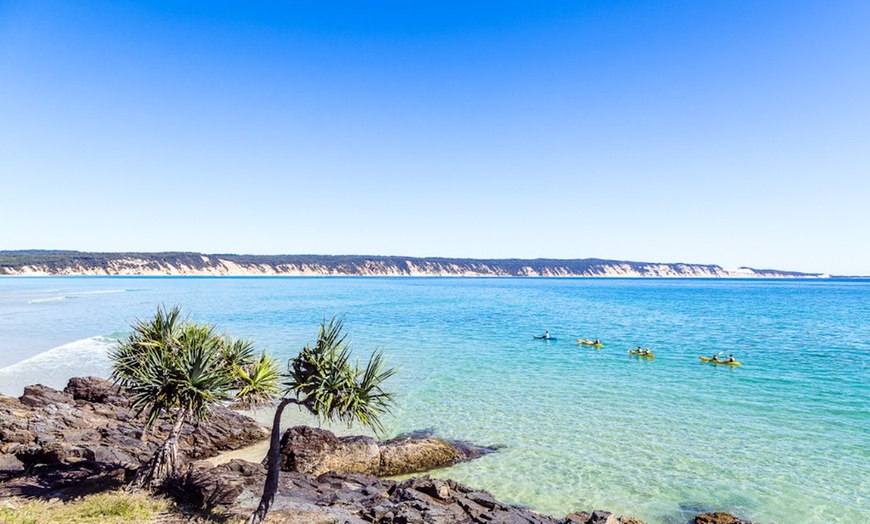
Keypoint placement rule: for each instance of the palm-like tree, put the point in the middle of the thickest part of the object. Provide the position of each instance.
(176, 367)
(322, 380)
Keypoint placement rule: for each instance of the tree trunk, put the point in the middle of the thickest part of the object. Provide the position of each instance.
(273, 466)
(164, 463)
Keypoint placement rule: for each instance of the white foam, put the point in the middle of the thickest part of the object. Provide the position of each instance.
(100, 292)
(53, 368)
(74, 294)
(41, 300)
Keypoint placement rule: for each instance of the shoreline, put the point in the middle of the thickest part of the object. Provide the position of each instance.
(59, 451)
(74, 263)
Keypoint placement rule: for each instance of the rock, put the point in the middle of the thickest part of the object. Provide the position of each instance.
(316, 451)
(10, 463)
(64, 482)
(576, 518)
(91, 421)
(410, 456)
(93, 389)
(39, 396)
(629, 520)
(602, 517)
(718, 517)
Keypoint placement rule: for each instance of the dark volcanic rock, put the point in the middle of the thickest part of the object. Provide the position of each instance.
(356, 498)
(92, 389)
(64, 482)
(39, 396)
(602, 517)
(91, 422)
(317, 451)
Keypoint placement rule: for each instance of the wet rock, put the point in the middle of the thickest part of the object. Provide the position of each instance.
(629, 520)
(602, 517)
(719, 517)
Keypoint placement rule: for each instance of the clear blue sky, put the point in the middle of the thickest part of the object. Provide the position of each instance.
(728, 132)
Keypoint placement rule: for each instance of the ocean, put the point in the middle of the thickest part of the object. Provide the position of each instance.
(783, 438)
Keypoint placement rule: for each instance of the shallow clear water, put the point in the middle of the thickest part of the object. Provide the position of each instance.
(785, 438)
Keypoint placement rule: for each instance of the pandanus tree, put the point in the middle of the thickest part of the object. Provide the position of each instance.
(323, 381)
(172, 366)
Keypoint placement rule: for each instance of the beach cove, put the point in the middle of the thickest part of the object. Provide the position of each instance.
(781, 439)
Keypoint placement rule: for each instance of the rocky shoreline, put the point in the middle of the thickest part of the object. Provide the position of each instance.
(86, 439)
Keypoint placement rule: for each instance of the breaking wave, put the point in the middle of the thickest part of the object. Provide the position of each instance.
(53, 368)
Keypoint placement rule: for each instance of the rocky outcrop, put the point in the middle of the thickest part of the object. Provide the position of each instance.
(91, 421)
(317, 451)
(355, 498)
(86, 439)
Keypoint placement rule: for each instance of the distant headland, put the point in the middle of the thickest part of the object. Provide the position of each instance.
(77, 263)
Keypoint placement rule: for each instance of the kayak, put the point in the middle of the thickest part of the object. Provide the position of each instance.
(542, 337)
(717, 361)
(638, 353)
(589, 343)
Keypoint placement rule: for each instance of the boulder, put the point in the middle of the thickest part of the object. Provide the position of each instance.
(39, 396)
(598, 517)
(410, 456)
(602, 517)
(93, 389)
(316, 451)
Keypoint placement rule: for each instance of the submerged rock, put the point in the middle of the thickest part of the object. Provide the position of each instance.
(719, 517)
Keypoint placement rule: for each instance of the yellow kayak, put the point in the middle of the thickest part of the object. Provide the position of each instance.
(638, 353)
(589, 343)
(717, 361)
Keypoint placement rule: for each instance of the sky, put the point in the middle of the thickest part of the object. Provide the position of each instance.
(730, 132)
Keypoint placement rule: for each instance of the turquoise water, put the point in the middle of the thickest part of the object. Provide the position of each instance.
(785, 438)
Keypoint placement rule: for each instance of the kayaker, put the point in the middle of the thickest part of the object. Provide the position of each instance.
(596, 341)
(730, 358)
(715, 357)
(546, 335)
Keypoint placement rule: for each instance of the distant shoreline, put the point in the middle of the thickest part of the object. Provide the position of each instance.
(76, 263)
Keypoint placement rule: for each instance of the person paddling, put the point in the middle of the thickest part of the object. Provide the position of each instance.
(546, 335)
(715, 357)
(730, 358)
